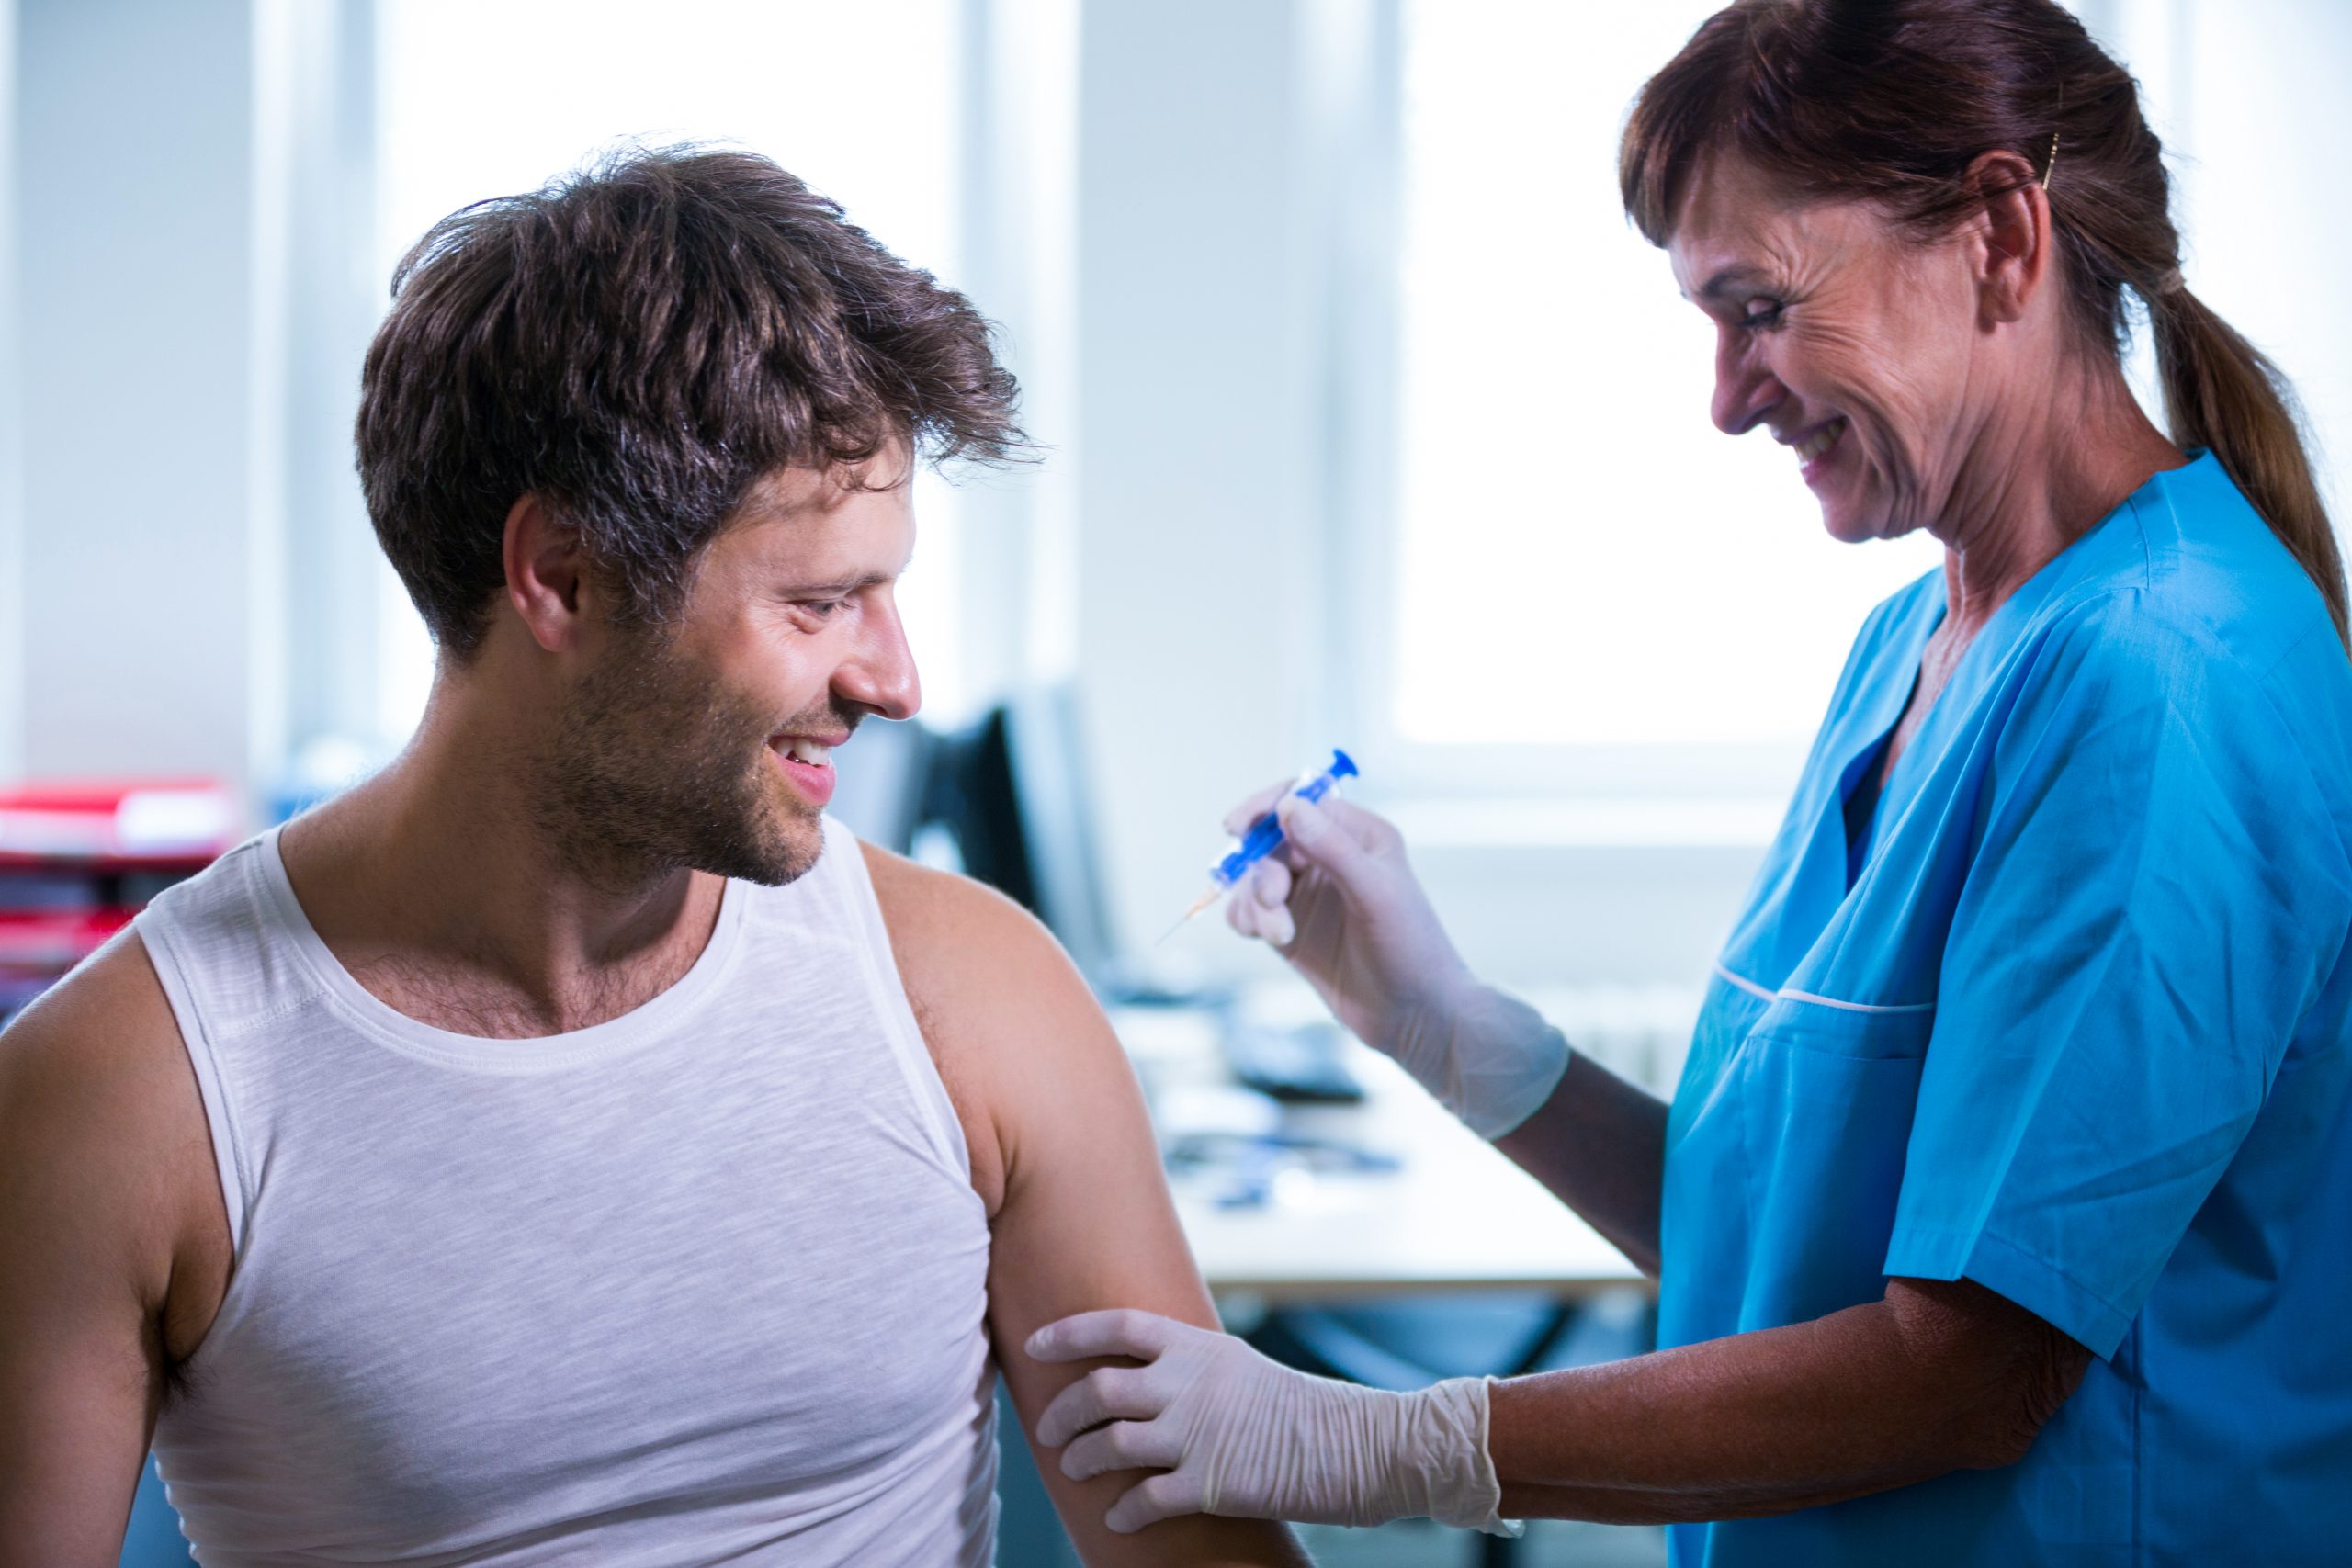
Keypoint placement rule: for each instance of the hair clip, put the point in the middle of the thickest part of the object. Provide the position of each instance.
(2051, 166)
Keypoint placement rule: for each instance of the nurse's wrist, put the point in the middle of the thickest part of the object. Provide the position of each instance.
(1511, 1064)
(1484, 1055)
(1442, 1468)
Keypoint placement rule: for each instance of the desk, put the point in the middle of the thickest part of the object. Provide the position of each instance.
(1455, 1216)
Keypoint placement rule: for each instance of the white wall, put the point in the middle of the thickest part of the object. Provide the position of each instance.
(191, 583)
(1213, 379)
(1230, 238)
(1016, 223)
(148, 531)
(318, 80)
(12, 566)
(1201, 346)
(2248, 99)
(2262, 128)
(1173, 267)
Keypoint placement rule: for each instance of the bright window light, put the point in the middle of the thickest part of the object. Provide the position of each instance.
(479, 99)
(1583, 559)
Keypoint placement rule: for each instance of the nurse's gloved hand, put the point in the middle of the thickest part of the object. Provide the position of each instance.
(1340, 901)
(1247, 1437)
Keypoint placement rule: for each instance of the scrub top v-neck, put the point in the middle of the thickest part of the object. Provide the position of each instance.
(2072, 1020)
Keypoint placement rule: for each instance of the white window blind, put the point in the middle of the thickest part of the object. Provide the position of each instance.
(1581, 561)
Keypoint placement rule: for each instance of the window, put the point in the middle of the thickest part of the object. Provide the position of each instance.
(1583, 571)
(479, 98)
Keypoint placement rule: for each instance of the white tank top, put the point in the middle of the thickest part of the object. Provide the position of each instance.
(705, 1284)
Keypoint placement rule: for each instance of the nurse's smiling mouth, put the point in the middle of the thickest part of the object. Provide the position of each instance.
(1813, 445)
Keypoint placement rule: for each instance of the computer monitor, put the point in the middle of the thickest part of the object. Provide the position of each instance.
(881, 780)
(1012, 791)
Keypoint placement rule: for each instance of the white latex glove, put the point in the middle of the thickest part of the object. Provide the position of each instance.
(1247, 1437)
(1338, 901)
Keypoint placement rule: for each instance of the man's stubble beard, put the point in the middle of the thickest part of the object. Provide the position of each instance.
(651, 767)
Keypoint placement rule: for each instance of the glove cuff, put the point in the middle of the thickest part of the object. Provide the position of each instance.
(1488, 1058)
(1442, 1461)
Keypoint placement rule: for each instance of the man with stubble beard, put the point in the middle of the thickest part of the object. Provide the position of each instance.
(569, 1145)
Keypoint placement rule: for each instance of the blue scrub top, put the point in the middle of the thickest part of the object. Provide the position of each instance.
(2077, 1031)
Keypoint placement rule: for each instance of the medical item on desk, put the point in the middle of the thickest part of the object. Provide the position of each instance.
(1307, 1063)
(1266, 836)
(1253, 1170)
(1237, 1146)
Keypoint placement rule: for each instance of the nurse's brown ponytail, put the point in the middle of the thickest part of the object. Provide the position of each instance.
(2222, 392)
(1895, 100)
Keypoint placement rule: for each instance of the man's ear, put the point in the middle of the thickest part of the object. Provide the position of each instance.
(546, 572)
(2016, 246)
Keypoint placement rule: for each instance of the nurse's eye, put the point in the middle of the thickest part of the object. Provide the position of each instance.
(1762, 314)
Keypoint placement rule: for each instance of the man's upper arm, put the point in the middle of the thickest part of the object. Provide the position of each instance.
(93, 1128)
(1081, 1218)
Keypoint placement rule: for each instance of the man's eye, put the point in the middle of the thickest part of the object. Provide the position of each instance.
(821, 608)
(1762, 313)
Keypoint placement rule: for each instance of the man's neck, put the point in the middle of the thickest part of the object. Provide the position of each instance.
(436, 884)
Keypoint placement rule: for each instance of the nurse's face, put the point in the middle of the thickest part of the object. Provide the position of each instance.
(1850, 341)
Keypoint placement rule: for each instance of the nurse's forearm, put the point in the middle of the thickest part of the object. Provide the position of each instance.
(1600, 1144)
(1938, 1377)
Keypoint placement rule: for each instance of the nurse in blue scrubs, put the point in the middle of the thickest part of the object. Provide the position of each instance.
(2004, 1212)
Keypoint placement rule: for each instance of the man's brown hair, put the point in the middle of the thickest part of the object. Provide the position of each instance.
(637, 342)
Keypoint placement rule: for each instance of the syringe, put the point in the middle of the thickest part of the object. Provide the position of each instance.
(1266, 836)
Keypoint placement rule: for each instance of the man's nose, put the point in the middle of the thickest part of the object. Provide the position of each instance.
(1745, 389)
(880, 672)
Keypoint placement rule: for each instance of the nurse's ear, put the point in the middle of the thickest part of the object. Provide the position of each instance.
(2010, 245)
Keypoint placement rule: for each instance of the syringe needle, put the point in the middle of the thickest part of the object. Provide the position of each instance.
(1203, 902)
(1264, 836)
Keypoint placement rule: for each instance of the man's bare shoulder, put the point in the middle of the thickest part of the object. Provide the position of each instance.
(1062, 1151)
(101, 1040)
(1005, 1012)
(962, 939)
(102, 1127)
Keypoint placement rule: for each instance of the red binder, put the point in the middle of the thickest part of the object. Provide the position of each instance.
(78, 860)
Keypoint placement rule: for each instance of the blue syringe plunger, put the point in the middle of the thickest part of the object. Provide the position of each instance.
(1265, 835)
